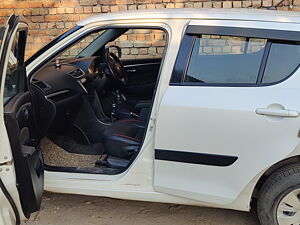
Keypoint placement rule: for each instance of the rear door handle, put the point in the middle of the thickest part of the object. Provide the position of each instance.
(277, 112)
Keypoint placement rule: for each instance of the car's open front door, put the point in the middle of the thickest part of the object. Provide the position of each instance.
(21, 165)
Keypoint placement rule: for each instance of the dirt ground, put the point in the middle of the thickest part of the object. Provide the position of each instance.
(61, 209)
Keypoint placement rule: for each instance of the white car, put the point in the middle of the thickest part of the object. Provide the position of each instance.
(187, 106)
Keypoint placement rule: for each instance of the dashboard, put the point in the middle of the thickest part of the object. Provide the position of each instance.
(64, 81)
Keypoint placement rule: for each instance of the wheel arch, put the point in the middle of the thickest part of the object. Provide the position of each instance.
(271, 170)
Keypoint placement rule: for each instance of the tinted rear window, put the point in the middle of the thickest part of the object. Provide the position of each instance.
(283, 60)
(235, 60)
(225, 59)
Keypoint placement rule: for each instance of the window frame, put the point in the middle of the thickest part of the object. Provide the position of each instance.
(20, 66)
(16, 25)
(192, 31)
(82, 35)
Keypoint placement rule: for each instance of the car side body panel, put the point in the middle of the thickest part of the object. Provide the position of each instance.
(222, 121)
(212, 132)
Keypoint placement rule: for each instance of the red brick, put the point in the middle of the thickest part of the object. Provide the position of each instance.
(60, 25)
(256, 3)
(54, 32)
(31, 4)
(123, 2)
(54, 18)
(39, 11)
(38, 33)
(114, 8)
(227, 4)
(133, 7)
(105, 9)
(46, 39)
(69, 10)
(108, 2)
(73, 17)
(6, 5)
(49, 4)
(88, 2)
(237, 4)
(5, 12)
(79, 10)
(51, 25)
(69, 3)
(82, 16)
(26, 12)
(97, 9)
(69, 25)
(143, 1)
(43, 25)
(52, 11)
(29, 39)
(60, 10)
(37, 19)
(87, 9)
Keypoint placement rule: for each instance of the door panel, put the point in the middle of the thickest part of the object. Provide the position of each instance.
(217, 124)
(26, 152)
(20, 127)
(217, 132)
(142, 77)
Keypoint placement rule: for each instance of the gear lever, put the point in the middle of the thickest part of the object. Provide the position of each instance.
(113, 114)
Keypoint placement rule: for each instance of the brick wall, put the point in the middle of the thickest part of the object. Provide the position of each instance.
(135, 43)
(48, 18)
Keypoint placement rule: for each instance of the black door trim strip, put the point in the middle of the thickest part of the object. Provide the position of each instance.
(195, 158)
(287, 35)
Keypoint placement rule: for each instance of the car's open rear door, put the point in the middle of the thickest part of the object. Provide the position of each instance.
(21, 165)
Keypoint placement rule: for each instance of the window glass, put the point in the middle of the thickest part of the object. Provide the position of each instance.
(11, 87)
(282, 61)
(77, 48)
(225, 59)
(141, 43)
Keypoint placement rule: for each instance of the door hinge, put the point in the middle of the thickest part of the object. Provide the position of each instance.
(152, 123)
(153, 120)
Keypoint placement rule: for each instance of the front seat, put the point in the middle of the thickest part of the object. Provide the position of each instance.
(130, 107)
(124, 137)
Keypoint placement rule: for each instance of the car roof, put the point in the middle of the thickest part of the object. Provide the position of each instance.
(192, 13)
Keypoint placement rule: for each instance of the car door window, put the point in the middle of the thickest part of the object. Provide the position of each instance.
(283, 60)
(225, 59)
(75, 49)
(13, 82)
(141, 44)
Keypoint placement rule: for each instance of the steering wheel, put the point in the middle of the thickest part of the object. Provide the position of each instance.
(115, 66)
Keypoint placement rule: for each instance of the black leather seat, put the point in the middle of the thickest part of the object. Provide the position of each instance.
(124, 137)
(140, 108)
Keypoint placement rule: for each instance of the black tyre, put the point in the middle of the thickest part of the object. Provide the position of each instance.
(279, 198)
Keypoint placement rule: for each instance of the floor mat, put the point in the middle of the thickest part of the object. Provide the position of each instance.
(56, 156)
(72, 146)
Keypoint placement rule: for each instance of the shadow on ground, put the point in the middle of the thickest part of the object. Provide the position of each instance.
(61, 209)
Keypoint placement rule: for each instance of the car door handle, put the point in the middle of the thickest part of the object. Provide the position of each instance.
(131, 70)
(277, 112)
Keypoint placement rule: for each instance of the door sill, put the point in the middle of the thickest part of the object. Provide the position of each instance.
(92, 170)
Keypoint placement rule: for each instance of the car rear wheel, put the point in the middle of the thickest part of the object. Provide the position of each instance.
(279, 197)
